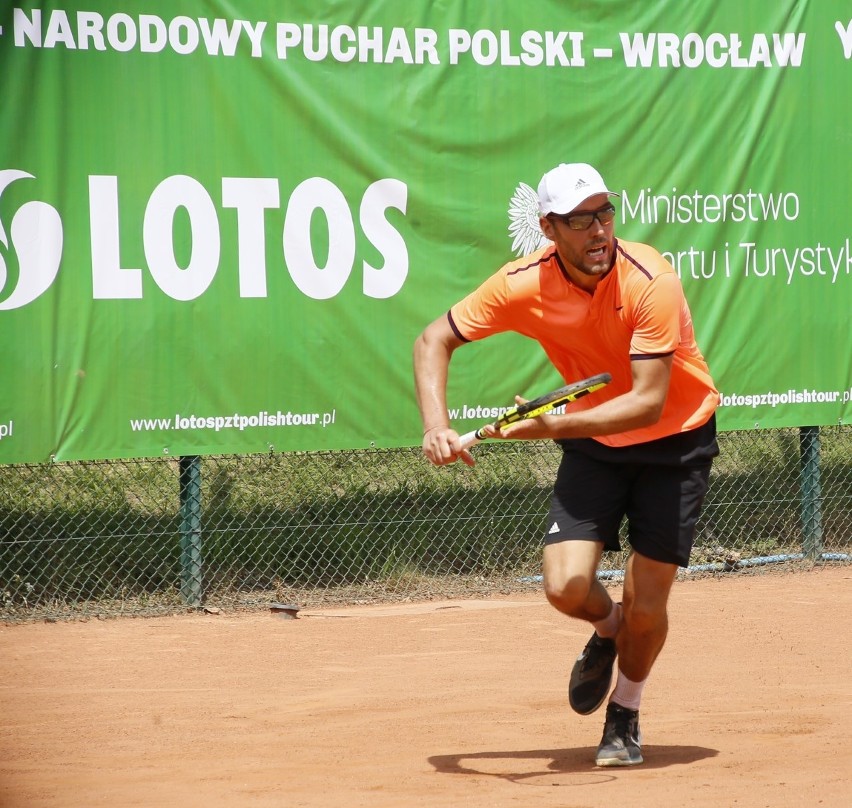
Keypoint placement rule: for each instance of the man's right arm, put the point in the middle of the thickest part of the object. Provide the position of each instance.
(432, 352)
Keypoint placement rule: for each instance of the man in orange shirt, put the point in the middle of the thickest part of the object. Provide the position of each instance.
(641, 448)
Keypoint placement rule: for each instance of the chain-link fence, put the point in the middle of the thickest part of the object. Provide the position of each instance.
(163, 535)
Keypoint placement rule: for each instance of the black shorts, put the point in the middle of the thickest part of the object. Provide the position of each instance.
(658, 486)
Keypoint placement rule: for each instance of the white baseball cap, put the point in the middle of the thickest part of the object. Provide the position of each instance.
(563, 188)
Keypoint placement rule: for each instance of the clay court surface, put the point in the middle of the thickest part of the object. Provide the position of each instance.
(456, 703)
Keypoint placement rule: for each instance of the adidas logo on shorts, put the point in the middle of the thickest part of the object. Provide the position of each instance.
(554, 528)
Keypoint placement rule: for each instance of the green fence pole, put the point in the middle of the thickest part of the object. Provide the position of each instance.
(809, 450)
(191, 586)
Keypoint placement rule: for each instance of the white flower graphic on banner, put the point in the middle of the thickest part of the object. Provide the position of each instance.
(523, 221)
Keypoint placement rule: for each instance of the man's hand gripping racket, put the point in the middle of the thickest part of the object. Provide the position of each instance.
(540, 406)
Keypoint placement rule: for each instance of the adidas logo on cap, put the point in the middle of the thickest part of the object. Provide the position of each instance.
(563, 188)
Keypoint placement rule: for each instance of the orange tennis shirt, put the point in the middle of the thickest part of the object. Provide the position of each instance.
(638, 310)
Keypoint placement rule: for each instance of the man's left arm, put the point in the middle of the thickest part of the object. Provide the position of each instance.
(640, 407)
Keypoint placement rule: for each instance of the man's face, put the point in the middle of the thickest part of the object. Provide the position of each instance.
(589, 251)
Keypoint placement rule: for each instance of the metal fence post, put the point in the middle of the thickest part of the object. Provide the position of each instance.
(809, 450)
(191, 586)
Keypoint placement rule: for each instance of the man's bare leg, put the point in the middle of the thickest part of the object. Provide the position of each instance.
(572, 587)
(647, 585)
(645, 623)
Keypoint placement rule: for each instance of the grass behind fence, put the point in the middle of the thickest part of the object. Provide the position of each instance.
(109, 532)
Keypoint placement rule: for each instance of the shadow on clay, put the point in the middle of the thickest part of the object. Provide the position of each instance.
(520, 766)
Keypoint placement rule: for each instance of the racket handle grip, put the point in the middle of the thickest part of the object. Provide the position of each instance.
(470, 439)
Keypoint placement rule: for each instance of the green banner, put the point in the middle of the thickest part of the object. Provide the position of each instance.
(223, 225)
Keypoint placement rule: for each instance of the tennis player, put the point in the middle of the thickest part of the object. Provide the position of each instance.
(641, 448)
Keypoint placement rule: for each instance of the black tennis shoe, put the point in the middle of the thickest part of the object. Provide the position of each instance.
(621, 742)
(591, 675)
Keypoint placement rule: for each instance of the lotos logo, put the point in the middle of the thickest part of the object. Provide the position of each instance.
(36, 240)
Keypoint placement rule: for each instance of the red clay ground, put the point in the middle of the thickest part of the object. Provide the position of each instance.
(446, 704)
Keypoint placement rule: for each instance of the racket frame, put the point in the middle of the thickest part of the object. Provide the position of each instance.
(541, 405)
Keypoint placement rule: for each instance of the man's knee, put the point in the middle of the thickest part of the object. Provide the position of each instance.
(644, 616)
(646, 593)
(569, 573)
(568, 594)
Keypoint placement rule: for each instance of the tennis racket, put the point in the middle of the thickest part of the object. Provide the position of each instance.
(542, 404)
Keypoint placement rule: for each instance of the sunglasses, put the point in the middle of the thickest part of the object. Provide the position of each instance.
(583, 221)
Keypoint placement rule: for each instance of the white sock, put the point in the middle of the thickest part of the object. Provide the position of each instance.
(627, 693)
(608, 627)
